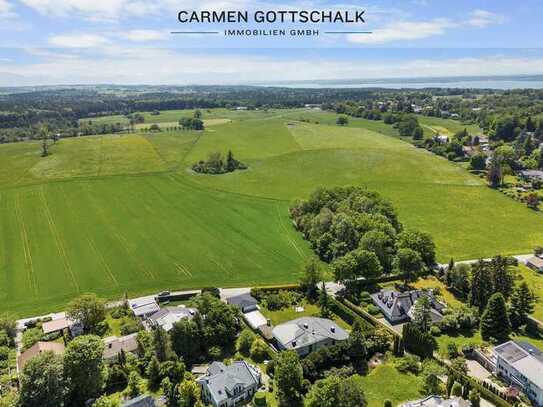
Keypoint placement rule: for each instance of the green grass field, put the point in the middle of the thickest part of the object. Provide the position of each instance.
(124, 213)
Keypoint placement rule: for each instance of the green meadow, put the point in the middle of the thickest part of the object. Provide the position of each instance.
(124, 213)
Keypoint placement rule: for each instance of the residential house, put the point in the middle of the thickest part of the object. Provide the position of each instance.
(398, 307)
(307, 334)
(113, 346)
(144, 307)
(535, 263)
(140, 401)
(61, 324)
(521, 364)
(168, 316)
(232, 385)
(35, 350)
(438, 401)
(245, 302)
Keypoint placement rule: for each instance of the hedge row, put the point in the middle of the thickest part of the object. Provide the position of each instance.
(485, 392)
(349, 315)
(368, 317)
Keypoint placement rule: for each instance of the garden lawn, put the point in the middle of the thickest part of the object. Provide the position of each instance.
(535, 282)
(289, 313)
(386, 382)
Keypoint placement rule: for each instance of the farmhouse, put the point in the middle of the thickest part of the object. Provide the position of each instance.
(535, 263)
(168, 316)
(35, 350)
(114, 345)
(245, 302)
(232, 385)
(521, 364)
(437, 401)
(307, 334)
(397, 307)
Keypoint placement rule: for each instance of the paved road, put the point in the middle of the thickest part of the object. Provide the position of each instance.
(520, 257)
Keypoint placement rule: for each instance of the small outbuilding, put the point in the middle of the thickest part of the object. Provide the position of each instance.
(535, 263)
(35, 350)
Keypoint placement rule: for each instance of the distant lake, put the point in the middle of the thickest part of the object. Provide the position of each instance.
(476, 84)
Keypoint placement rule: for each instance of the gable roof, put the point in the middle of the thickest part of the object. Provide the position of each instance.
(221, 380)
(140, 401)
(36, 349)
(57, 325)
(168, 316)
(305, 331)
(535, 261)
(143, 306)
(396, 305)
(113, 345)
(525, 358)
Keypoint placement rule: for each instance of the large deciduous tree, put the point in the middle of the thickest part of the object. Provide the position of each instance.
(42, 382)
(89, 310)
(83, 369)
(336, 391)
(289, 379)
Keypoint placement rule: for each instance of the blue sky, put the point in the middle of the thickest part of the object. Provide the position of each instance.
(129, 41)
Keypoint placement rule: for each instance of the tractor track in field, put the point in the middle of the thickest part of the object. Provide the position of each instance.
(90, 241)
(286, 233)
(29, 264)
(58, 240)
(124, 244)
(102, 261)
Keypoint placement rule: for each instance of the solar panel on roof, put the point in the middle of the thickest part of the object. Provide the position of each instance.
(511, 352)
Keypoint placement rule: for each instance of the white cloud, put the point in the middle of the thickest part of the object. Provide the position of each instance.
(117, 9)
(78, 41)
(6, 10)
(482, 18)
(145, 35)
(161, 66)
(404, 31)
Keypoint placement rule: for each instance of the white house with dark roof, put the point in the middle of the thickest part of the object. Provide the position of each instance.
(168, 316)
(398, 307)
(307, 334)
(521, 364)
(229, 385)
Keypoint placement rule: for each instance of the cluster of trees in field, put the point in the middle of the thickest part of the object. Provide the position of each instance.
(162, 364)
(489, 289)
(215, 164)
(359, 233)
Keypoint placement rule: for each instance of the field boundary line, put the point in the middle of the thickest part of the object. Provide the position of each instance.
(59, 243)
(124, 243)
(29, 264)
(101, 259)
(100, 157)
(158, 153)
